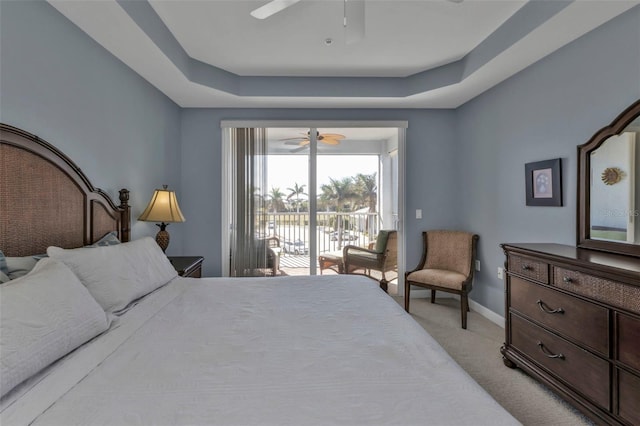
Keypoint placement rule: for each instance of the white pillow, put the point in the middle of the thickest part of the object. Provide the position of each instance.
(44, 315)
(119, 274)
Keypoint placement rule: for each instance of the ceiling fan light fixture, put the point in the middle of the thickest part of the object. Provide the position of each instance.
(353, 18)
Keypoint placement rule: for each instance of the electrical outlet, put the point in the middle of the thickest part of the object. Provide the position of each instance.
(500, 273)
(478, 265)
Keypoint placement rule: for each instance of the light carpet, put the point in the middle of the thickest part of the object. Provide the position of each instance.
(477, 350)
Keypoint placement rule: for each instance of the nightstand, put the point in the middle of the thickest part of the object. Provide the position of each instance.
(187, 266)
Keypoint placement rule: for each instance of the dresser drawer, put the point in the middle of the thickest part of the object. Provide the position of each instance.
(530, 268)
(628, 330)
(585, 372)
(585, 322)
(607, 291)
(629, 397)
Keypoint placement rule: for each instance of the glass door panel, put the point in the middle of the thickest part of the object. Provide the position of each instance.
(348, 173)
(288, 196)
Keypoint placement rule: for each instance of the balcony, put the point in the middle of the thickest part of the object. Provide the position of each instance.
(334, 231)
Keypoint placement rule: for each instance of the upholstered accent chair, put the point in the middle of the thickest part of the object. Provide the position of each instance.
(382, 257)
(447, 265)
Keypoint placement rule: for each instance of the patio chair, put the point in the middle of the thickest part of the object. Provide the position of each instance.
(269, 261)
(383, 258)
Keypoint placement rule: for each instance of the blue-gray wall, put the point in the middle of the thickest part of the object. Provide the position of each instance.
(58, 83)
(430, 160)
(543, 112)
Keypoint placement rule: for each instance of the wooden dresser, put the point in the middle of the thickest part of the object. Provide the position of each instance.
(573, 322)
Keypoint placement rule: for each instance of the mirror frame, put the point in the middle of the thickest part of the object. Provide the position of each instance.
(584, 185)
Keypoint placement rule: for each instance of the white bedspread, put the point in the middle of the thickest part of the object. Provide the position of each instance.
(287, 351)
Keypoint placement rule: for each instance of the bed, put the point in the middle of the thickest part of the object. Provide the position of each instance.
(183, 351)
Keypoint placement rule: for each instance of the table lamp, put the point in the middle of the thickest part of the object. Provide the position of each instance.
(163, 207)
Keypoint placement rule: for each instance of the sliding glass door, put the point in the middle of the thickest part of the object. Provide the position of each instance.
(324, 187)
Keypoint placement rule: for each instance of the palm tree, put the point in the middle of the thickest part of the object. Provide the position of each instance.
(367, 186)
(276, 198)
(339, 193)
(296, 191)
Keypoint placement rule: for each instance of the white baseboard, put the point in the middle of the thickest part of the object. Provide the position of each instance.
(487, 313)
(473, 305)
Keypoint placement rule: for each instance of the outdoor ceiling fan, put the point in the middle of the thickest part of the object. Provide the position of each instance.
(304, 141)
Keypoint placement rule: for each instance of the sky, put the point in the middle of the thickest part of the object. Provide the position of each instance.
(285, 170)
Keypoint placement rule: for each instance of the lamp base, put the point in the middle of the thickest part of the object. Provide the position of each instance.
(162, 237)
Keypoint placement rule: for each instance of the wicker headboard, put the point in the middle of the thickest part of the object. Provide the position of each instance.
(46, 200)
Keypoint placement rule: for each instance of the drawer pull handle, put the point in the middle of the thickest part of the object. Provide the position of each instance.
(527, 268)
(547, 353)
(543, 307)
(567, 280)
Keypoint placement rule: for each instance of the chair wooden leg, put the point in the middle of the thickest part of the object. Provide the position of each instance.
(384, 284)
(464, 307)
(407, 290)
(433, 296)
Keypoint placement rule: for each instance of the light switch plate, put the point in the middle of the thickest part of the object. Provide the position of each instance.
(418, 213)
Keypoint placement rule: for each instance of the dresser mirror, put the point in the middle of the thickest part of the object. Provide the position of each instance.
(609, 187)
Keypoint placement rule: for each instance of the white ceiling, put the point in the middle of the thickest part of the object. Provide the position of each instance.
(415, 54)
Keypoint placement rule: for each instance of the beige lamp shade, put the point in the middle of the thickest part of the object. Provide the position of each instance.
(163, 207)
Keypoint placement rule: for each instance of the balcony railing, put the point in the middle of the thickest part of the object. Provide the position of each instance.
(334, 230)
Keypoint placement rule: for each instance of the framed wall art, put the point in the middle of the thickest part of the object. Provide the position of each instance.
(544, 183)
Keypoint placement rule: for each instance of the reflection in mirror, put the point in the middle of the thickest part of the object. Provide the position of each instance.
(614, 188)
(609, 187)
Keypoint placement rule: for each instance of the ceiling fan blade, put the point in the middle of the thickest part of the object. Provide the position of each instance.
(353, 20)
(304, 142)
(296, 142)
(272, 8)
(300, 148)
(330, 141)
(303, 136)
(332, 135)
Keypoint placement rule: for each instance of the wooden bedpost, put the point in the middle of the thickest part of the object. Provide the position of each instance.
(125, 232)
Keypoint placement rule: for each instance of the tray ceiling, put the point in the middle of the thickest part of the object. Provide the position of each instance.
(414, 54)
